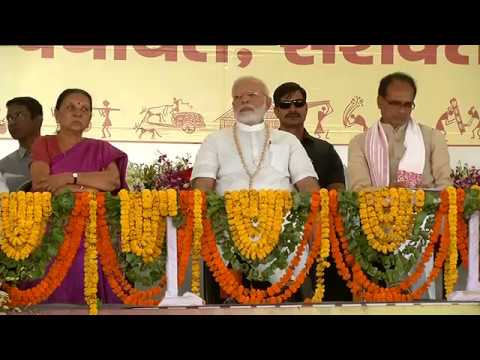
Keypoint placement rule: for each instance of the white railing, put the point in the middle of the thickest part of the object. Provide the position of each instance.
(471, 293)
(171, 295)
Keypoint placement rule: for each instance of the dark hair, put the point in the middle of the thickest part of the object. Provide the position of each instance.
(32, 105)
(399, 76)
(67, 92)
(287, 88)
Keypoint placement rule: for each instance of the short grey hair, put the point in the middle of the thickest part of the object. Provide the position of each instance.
(252, 78)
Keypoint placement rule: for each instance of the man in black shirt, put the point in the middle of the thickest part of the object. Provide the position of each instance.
(291, 109)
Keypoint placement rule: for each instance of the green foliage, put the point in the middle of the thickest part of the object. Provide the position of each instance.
(472, 202)
(34, 266)
(290, 237)
(394, 267)
(135, 269)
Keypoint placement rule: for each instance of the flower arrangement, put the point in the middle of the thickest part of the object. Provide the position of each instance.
(4, 299)
(162, 174)
(465, 176)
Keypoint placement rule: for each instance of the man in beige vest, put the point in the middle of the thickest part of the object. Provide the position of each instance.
(396, 150)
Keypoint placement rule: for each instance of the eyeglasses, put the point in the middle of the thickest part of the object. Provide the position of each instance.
(285, 104)
(409, 105)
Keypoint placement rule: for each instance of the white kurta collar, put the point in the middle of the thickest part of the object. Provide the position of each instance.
(251, 128)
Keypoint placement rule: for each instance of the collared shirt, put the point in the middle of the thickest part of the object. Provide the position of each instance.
(325, 159)
(436, 173)
(15, 168)
(285, 163)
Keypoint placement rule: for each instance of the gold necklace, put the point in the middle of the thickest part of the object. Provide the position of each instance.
(242, 159)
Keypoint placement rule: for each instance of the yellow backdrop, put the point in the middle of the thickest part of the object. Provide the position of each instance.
(182, 93)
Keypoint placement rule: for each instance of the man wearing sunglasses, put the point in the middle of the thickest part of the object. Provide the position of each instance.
(396, 150)
(291, 109)
(24, 117)
(251, 156)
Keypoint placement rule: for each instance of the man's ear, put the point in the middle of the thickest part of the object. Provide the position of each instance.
(38, 120)
(276, 111)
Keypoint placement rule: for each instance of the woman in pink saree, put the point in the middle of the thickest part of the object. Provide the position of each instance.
(70, 161)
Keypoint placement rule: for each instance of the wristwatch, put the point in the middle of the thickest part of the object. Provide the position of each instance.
(75, 178)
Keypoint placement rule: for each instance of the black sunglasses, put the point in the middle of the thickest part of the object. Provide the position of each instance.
(287, 103)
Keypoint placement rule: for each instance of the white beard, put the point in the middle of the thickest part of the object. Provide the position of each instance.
(251, 117)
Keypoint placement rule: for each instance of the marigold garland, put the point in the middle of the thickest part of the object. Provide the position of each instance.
(462, 229)
(24, 221)
(184, 237)
(143, 221)
(255, 219)
(62, 263)
(450, 273)
(277, 292)
(323, 231)
(111, 268)
(341, 264)
(143, 226)
(199, 205)
(90, 282)
(365, 289)
(387, 231)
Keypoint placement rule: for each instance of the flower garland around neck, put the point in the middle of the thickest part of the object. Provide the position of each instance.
(250, 175)
(255, 219)
(62, 263)
(24, 221)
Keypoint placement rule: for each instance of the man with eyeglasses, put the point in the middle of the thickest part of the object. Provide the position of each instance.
(396, 150)
(291, 109)
(24, 117)
(251, 156)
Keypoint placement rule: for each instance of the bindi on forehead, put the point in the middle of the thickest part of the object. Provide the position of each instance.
(77, 102)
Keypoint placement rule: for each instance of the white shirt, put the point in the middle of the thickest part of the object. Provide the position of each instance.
(286, 162)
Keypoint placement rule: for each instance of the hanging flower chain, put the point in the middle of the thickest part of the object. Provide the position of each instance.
(90, 263)
(451, 274)
(143, 221)
(387, 231)
(198, 207)
(256, 227)
(24, 221)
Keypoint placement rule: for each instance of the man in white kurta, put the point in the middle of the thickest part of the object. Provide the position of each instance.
(285, 162)
(272, 159)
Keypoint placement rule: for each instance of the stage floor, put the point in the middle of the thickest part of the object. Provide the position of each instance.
(420, 308)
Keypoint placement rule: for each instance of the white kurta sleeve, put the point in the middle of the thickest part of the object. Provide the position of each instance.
(300, 165)
(206, 161)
